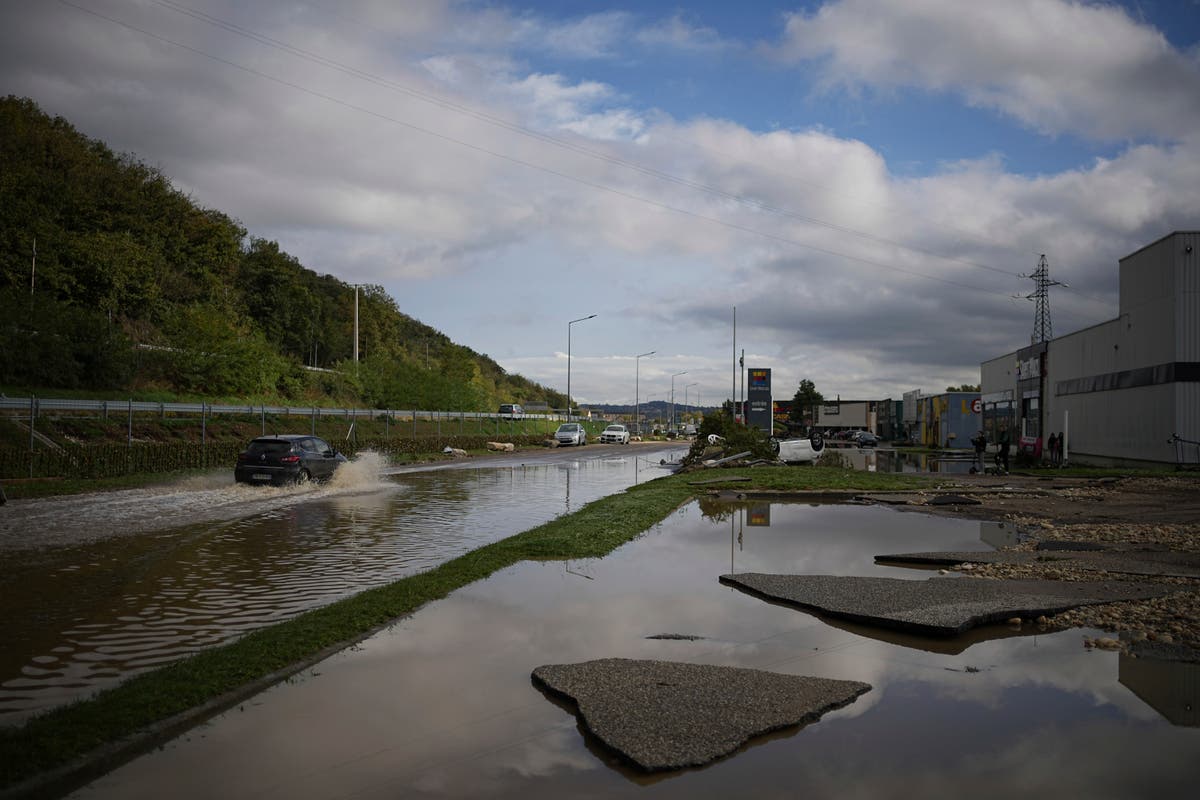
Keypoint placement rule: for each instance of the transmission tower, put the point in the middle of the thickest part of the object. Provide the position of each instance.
(1043, 331)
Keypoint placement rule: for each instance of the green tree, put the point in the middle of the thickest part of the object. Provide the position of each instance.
(966, 387)
(805, 400)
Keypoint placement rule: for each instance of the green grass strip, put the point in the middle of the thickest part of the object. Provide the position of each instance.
(126, 712)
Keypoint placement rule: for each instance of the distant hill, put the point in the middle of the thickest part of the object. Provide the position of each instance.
(137, 288)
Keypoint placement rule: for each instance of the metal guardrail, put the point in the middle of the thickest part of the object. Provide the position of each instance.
(33, 406)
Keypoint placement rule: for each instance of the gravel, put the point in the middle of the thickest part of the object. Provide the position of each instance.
(1157, 563)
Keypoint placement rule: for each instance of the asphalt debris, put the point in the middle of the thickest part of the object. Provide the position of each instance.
(664, 715)
(939, 606)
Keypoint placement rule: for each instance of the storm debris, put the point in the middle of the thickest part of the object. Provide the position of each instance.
(1134, 562)
(939, 606)
(664, 715)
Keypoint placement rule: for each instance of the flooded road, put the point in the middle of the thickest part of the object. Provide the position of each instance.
(442, 706)
(98, 587)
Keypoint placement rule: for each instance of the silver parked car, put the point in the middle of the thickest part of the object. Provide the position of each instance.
(570, 433)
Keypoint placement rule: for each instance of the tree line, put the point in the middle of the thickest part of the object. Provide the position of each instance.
(111, 278)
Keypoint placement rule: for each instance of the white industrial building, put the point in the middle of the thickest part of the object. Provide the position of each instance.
(1124, 391)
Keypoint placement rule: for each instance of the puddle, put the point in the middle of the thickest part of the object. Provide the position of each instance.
(99, 607)
(442, 705)
(888, 460)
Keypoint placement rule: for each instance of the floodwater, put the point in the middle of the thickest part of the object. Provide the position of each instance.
(882, 459)
(441, 705)
(98, 587)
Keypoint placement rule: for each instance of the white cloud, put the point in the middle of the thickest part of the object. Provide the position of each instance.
(596, 36)
(497, 237)
(677, 33)
(1056, 65)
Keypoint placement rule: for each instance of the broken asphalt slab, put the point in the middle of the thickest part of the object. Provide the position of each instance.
(664, 715)
(1157, 563)
(938, 606)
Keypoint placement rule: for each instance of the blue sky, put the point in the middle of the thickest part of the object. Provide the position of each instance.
(866, 181)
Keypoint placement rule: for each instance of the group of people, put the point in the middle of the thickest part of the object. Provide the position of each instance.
(1054, 449)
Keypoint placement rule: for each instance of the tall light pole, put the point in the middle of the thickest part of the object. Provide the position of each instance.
(569, 324)
(685, 392)
(637, 406)
(673, 377)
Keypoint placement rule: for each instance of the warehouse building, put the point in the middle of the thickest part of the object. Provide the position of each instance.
(1126, 391)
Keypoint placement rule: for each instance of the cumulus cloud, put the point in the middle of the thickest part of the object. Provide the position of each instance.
(679, 33)
(1059, 66)
(495, 200)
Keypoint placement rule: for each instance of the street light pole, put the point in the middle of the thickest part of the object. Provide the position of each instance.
(637, 406)
(569, 324)
(685, 394)
(673, 377)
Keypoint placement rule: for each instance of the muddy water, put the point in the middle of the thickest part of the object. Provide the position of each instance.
(441, 706)
(99, 587)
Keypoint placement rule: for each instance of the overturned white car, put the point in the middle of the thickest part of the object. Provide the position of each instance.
(789, 451)
(800, 450)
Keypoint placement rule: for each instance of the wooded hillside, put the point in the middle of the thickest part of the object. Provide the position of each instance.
(137, 288)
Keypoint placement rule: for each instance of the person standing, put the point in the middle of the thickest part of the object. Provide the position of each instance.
(1004, 442)
(1051, 443)
(980, 444)
(1058, 451)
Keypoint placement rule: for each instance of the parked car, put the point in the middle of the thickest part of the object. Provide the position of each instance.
(866, 439)
(291, 458)
(511, 411)
(615, 434)
(570, 433)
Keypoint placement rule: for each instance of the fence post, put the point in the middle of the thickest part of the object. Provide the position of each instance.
(32, 419)
(263, 411)
(314, 421)
(129, 440)
(439, 419)
(414, 419)
(204, 436)
(387, 420)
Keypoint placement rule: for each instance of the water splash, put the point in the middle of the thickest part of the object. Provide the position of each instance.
(364, 473)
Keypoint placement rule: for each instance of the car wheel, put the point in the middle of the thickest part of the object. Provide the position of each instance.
(818, 442)
(304, 477)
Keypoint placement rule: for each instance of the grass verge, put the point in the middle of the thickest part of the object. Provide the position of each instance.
(75, 743)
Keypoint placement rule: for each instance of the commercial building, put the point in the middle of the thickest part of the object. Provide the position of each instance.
(948, 420)
(837, 415)
(1123, 391)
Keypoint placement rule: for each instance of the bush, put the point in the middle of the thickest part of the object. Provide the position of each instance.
(738, 438)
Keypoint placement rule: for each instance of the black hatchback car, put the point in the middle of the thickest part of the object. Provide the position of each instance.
(286, 459)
